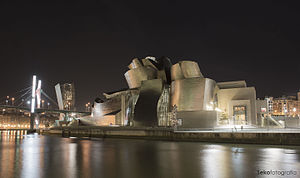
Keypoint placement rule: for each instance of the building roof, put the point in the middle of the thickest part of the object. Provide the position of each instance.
(232, 84)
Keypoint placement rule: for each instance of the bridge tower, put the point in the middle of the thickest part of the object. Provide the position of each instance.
(35, 97)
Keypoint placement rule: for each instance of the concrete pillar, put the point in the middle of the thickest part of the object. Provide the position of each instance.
(32, 117)
(37, 124)
(123, 108)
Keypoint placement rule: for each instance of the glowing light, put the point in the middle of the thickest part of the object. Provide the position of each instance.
(33, 94)
(294, 109)
(218, 109)
(208, 107)
(38, 94)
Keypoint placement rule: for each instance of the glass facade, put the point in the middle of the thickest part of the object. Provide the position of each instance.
(240, 115)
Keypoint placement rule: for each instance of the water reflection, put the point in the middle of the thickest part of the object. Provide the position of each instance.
(24, 155)
(32, 149)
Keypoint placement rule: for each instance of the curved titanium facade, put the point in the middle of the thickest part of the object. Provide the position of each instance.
(149, 62)
(134, 77)
(185, 69)
(135, 64)
(145, 111)
(193, 94)
(176, 73)
(107, 107)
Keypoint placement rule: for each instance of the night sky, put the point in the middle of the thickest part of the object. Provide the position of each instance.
(91, 44)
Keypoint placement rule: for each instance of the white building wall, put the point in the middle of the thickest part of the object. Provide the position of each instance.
(226, 98)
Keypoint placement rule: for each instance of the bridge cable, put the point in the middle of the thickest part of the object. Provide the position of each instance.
(21, 97)
(24, 100)
(12, 94)
(42, 92)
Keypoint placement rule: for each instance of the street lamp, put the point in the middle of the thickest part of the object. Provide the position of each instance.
(43, 101)
(86, 107)
(12, 101)
(294, 109)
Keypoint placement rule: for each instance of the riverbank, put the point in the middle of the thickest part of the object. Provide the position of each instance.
(266, 138)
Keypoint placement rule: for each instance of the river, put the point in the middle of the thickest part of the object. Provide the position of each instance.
(36, 156)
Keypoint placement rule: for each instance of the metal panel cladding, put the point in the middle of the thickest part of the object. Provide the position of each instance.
(192, 94)
(185, 69)
(134, 77)
(145, 112)
(135, 64)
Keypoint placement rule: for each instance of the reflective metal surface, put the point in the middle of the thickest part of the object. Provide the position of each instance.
(134, 77)
(192, 94)
(185, 69)
(149, 62)
(145, 113)
(232, 84)
(135, 64)
(35, 156)
(190, 69)
(109, 106)
(176, 72)
(117, 109)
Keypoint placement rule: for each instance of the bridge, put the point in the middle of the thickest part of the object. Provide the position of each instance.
(41, 110)
(30, 100)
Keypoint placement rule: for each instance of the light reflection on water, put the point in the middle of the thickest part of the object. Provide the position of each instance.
(47, 156)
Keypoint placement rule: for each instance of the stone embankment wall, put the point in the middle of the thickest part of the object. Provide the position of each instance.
(169, 134)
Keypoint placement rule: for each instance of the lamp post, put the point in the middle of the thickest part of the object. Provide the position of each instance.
(285, 111)
(12, 101)
(86, 107)
(6, 101)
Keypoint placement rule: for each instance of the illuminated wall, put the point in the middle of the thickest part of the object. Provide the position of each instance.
(245, 96)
